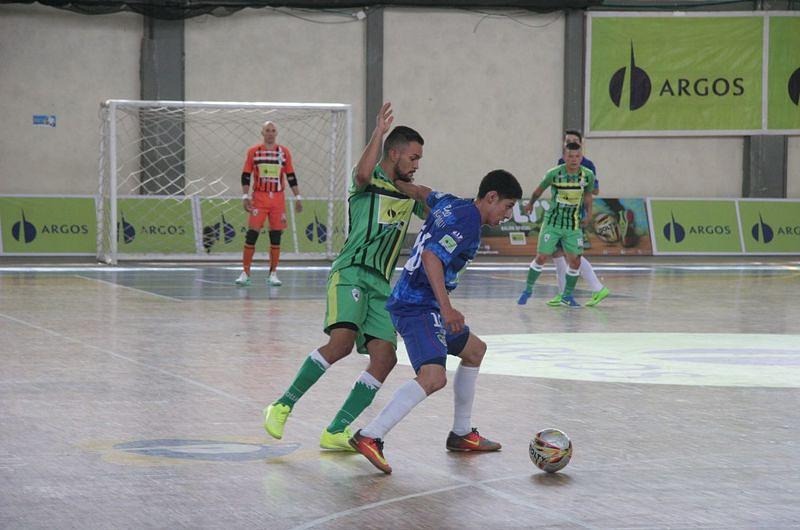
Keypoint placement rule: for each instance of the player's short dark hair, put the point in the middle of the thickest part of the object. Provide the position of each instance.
(573, 146)
(573, 132)
(400, 136)
(501, 181)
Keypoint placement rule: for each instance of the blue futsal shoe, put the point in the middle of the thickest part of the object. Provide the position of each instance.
(523, 298)
(569, 301)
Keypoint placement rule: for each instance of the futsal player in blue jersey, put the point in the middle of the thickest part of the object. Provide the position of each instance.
(431, 327)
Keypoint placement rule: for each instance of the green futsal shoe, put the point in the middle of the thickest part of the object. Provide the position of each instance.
(555, 301)
(598, 297)
(243, 280)
(339, 441)
(275, 417)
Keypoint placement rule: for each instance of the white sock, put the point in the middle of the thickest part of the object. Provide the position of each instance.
(404, 399)
(587, 273)
(535, 266)
(317, 356)
(561, 272)
(369, 380)
(464, 392)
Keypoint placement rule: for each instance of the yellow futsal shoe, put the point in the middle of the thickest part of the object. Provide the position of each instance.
(275, 417)
(339, 441)
(598, 297)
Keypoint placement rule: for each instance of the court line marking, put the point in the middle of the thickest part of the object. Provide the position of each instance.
(117, 285)
(130, 360)
(480, 484)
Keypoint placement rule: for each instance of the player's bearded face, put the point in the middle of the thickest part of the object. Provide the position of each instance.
(408, 162)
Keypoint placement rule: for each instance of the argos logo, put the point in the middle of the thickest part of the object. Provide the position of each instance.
(26, 231)
(640, 87)
(794, 87)
(221, 230)
(675, 232)
(316, 232)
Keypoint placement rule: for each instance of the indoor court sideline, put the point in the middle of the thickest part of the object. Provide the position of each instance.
(131, 396)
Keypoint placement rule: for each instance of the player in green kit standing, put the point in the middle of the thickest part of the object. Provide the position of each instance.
(571, 186)
(358, 284)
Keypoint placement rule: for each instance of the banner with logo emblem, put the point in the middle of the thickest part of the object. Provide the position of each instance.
(702, 226)
(224, 225)
(154, 225)
(784, 74)
(674, 74)
(618, 227)
(770, 226)
(47, 225)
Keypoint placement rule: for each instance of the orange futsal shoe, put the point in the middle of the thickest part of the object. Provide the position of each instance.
(372, 448)
(472, 441)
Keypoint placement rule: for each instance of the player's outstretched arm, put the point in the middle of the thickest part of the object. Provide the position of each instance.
(372, 152)
(417, 192)
(536, 194)
(434, 270)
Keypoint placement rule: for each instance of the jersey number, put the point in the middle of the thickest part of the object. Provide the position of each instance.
(416, 252)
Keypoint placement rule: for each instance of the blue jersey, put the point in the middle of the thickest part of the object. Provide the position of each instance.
(588, 164)
(452, 231)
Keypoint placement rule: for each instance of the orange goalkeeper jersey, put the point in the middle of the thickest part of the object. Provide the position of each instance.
(268, 167)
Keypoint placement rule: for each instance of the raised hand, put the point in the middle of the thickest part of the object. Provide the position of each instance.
(385, 118)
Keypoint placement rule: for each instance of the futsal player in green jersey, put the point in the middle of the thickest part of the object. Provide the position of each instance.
(571, 186)
(358, 284)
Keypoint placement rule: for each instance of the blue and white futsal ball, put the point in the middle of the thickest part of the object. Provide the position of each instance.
(550, 450)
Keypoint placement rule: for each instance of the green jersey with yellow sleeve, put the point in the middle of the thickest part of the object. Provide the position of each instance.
(379, 216)
(567, 192)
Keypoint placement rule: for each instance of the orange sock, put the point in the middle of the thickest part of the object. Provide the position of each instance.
(274, 256)
(247, 258)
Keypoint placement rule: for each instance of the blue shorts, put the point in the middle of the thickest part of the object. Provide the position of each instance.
(426, 339)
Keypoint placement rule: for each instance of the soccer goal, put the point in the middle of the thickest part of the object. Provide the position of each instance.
(170, 178)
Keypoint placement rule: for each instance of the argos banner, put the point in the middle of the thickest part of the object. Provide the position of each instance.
(692, 74)
(47, 225)
(703, 226)
(770, 226)
(725, 226)
(224, 223)
(784, 74)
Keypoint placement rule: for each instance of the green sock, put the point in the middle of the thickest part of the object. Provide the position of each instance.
(308, 374)
(570, 283)
(533, 275)
(359, 399)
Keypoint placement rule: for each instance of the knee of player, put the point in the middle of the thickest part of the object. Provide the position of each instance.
(336, 350)
(436, 384)
(474, 352)
(431, 380)
(251, 237)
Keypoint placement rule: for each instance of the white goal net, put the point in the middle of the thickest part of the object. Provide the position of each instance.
(170, 178)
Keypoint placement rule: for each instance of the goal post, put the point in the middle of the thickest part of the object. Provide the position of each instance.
(170, 178)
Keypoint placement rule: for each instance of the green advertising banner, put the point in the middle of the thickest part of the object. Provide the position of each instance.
(312, 228)
(48, 225)
(784, 73)
(770, 227)
(224, 224)
(675, 74)
(148, 225)
(694, 226)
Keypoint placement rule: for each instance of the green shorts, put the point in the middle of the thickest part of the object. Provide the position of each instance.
(358, 295)
(549, 237)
